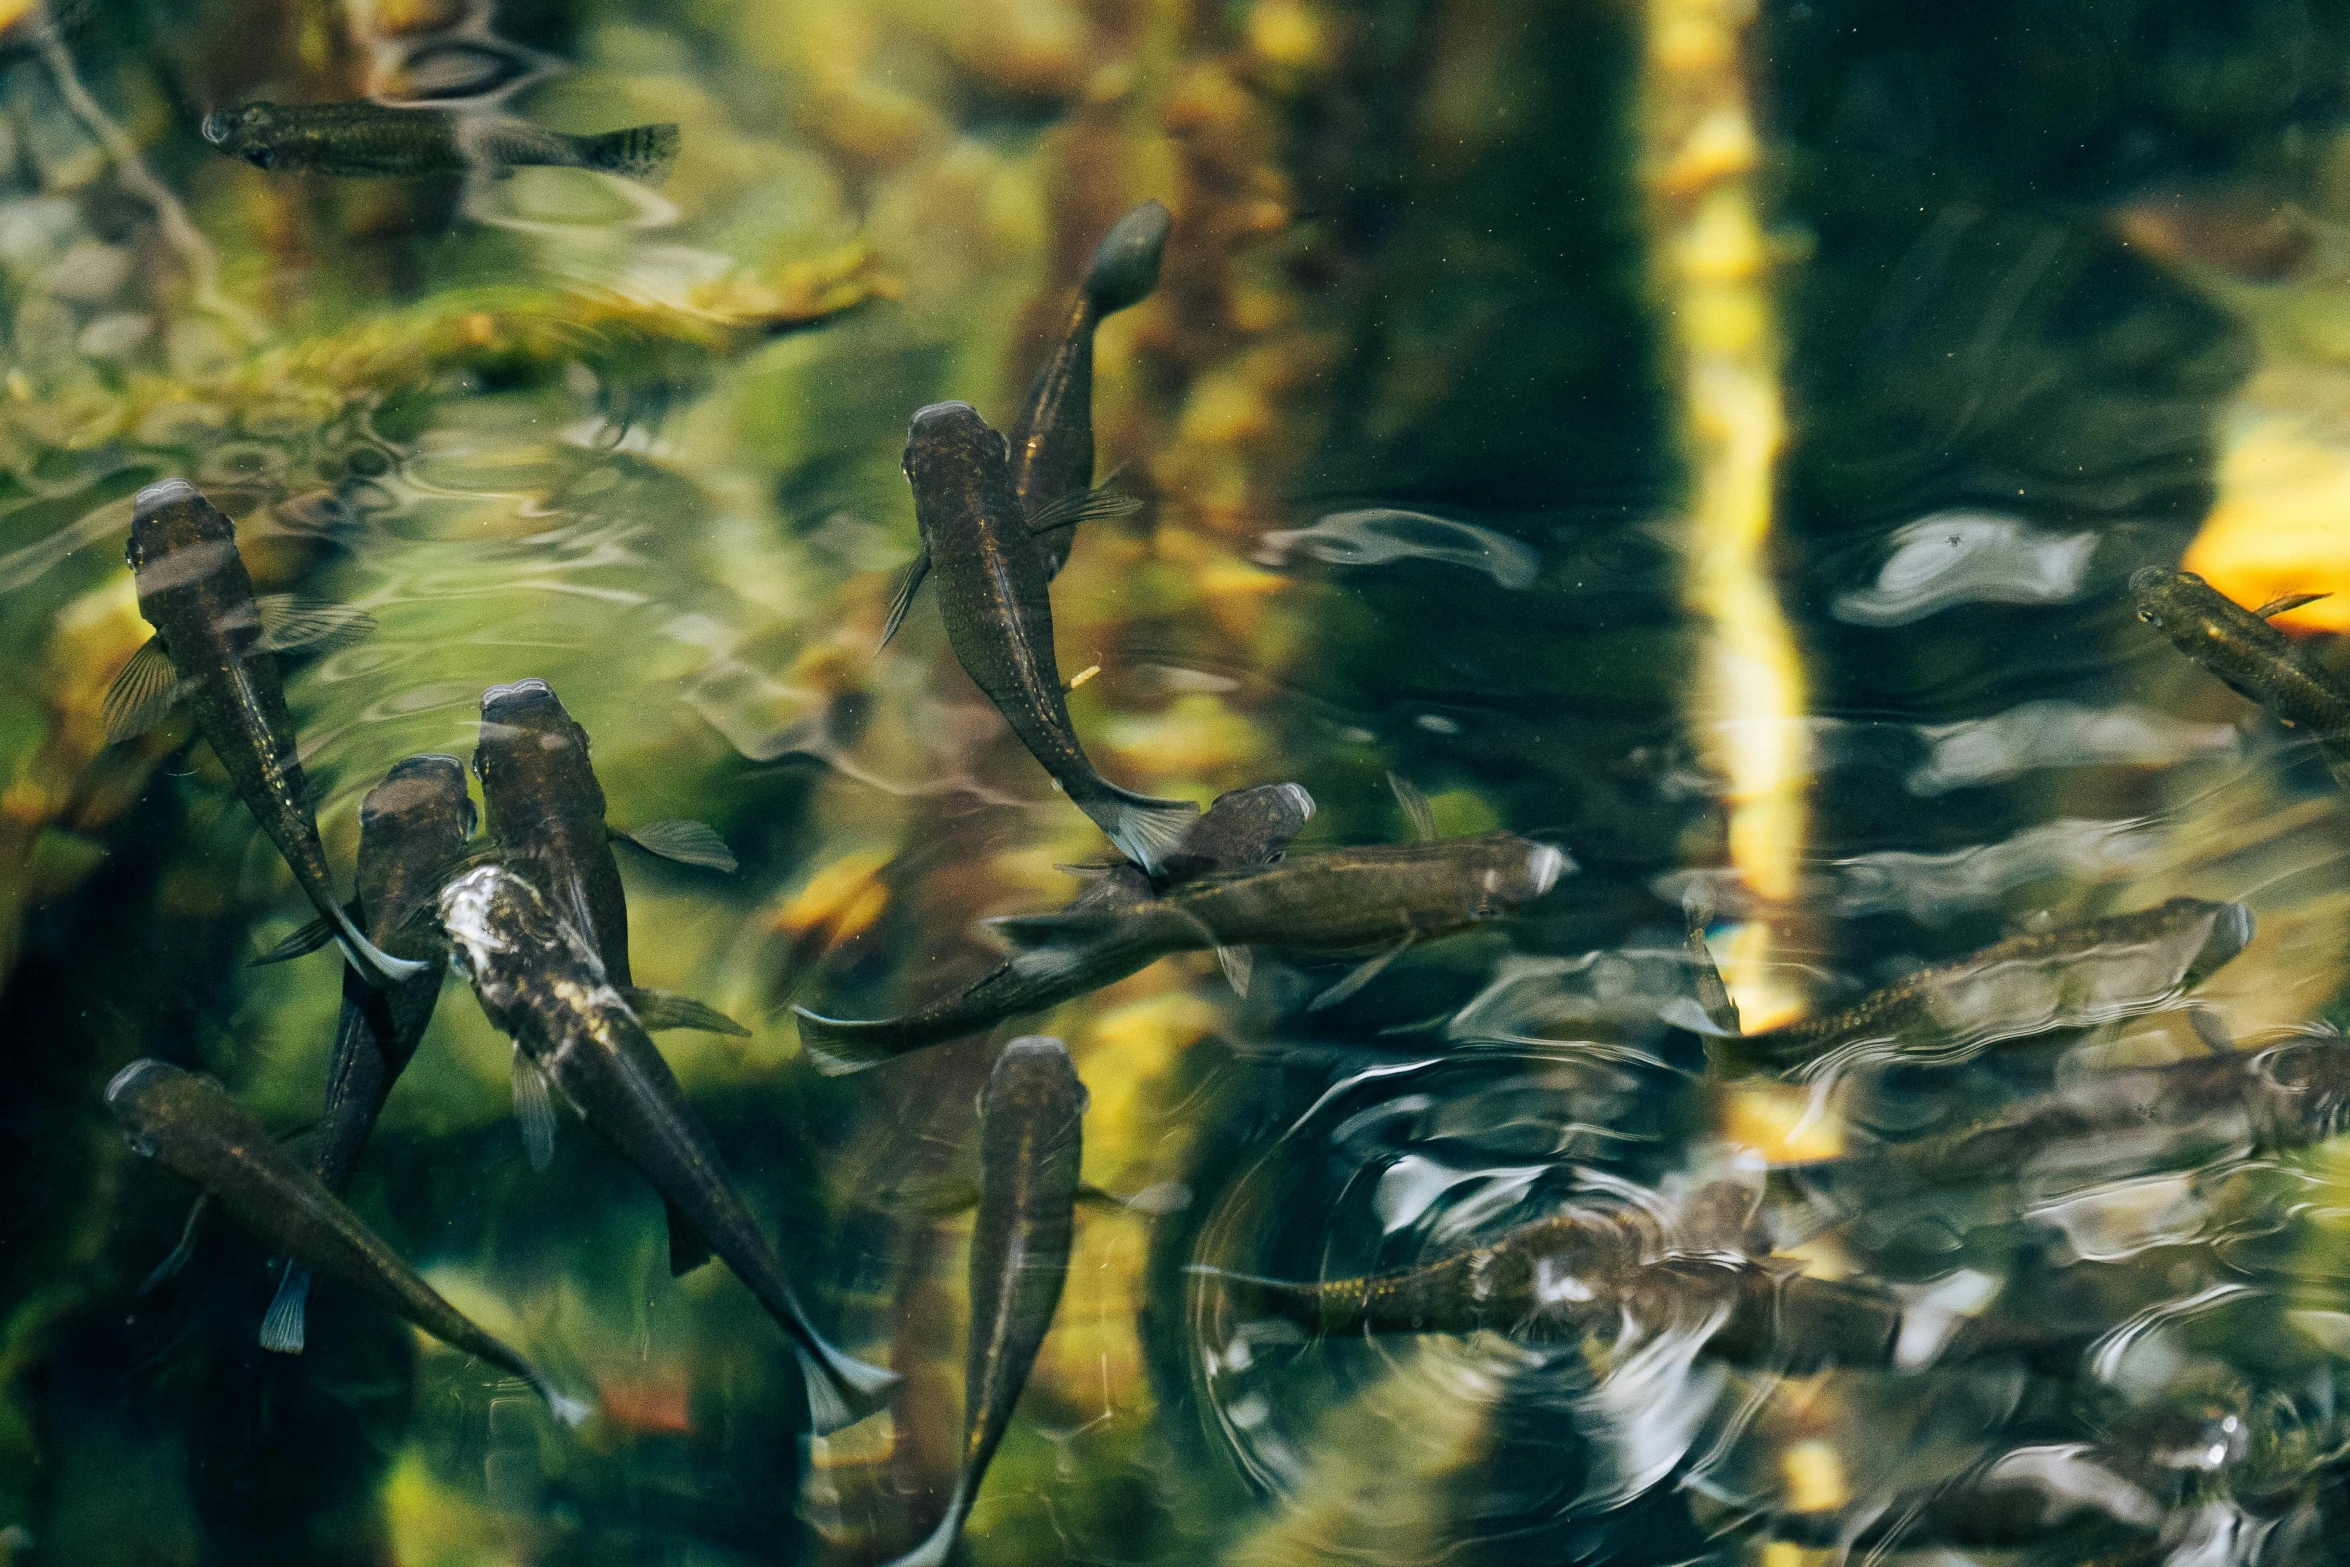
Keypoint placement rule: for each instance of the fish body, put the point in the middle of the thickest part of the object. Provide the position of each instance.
(1030, 1137)
(412, 828)
(546, 808)
(1052, 439)
(541, 983)
(2252, 657)
(2071, 976)
(371, 139)
(1340, 900)
(188, 1124)
(194, 590)
(999, 617)
(1243, 828)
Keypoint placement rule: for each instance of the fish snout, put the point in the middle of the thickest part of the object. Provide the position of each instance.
(1299, 801)
(515, 695)
(124, 1086)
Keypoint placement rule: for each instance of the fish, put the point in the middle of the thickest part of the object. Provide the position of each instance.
(1381, 897)
(541, 983)
(215, 649)
(1243, 828)
(188, 1124)
(372, 139)
(2251, 657)
(2071, 976)
(412, 830)
(1031, 1116)
(1051, 441)
(999, 617)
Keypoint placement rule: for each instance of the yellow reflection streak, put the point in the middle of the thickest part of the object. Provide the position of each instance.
(1712, 278)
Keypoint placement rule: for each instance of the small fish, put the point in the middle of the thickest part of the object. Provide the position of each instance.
(1244, 828)
(188, 1124)
(412, 830)
(1031, 1116)
(999, 617)
(361, 139)
(215, 647)
(1383, 898)
(2070, 977)
(2253, 658)
(541, 983)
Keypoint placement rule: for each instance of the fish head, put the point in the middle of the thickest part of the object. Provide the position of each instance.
(1518, 870)
(140, 1095)
(424, 790)
(944, 439)
(1125, 265)
(248, 131)
(492, 913)
(1033, 1073)
(2167, 598)
(1250, 826)
(411, 827)
(178, 539)
(530, 746)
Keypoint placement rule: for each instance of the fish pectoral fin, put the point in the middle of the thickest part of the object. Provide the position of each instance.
(689, 1248)
(284, 1329)
(172, 1265)
(902, 598)
(1418, 814)
(2211, 1029)
(292, 622)
(1363, 975)
(1153, 1201)
(142, 695)
(1095, 505)
(661, 1009)
(688, 843)
(1238, 963)
(534, 1110)
(2285, 601)
(931, 1196)
(304, 941)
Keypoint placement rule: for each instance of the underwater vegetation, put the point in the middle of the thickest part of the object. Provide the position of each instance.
(1124, 781)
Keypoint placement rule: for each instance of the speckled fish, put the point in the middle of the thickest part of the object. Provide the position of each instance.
(1052, 440)
(2253, 658)
(364, 139)
(189, 1125)
(1246, 827)
(999, 618)
(1383, 898)
(542, 984)
(412, 831)
(1031, 1117)
(215, 647)
(2074, 976)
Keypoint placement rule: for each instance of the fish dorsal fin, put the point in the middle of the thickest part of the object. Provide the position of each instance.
(689, 1248)
(1363, 975)
(1098, 504)
(142, 695)
(2287, 601)
(1238, 963)
(661, 1009)
(688, 843)
(291, 622)
(901, 599)
(534, 1111)
(1417, 812)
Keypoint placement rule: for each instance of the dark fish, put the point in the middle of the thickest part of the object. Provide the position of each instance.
(2071, 977)
(373, 139)
(2255, 659)
(412, 829)
(1052, 439)
(1383, 897)
(1244, 828)
(542, 984)
(188, 1124)
(1030, 1128)
(999, 617)
(215, 647)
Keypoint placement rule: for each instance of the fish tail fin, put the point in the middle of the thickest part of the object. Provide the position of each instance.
(642, 152)
(1145, 829)
(932, 1552)
(841, 1390)
(379, 966)
(838, 1046)
(283, 1330)
(2231, 933)
(1125, 266)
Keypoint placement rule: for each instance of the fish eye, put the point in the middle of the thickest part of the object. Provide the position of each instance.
(2147, 616)
(261, 157)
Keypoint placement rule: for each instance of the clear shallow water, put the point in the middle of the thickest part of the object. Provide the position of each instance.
(1414, 486)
